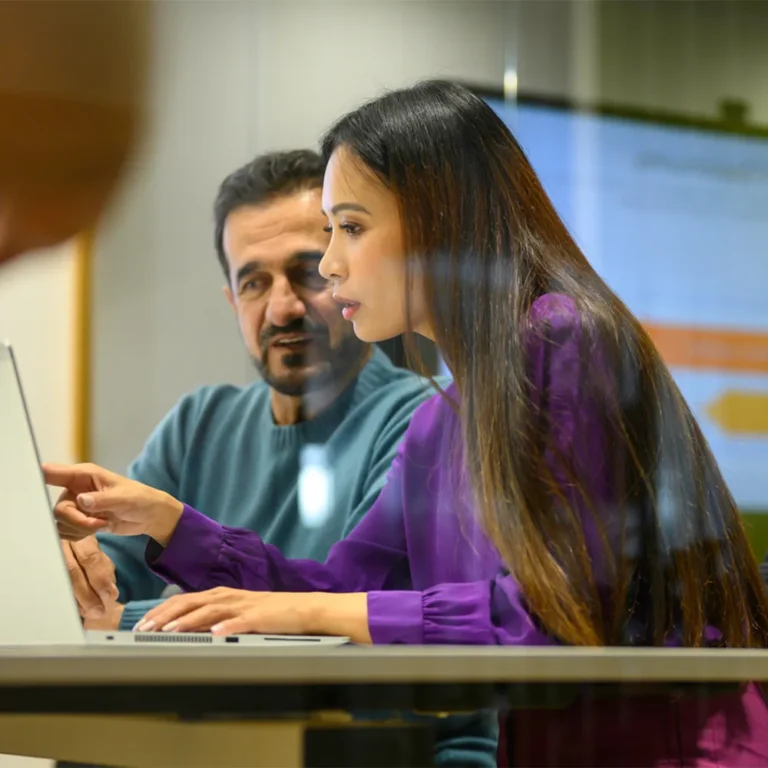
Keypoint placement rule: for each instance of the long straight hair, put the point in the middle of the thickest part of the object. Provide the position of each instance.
(487, 242)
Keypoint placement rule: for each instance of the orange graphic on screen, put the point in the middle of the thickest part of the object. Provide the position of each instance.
(711, 348)
(735, 411)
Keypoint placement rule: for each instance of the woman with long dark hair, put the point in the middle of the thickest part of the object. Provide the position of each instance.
(560, 491)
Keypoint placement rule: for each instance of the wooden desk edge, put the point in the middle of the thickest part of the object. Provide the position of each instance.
(364, 666)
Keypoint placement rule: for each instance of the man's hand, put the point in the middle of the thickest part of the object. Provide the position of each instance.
(110, 620)
(93, 577)
(96, 499)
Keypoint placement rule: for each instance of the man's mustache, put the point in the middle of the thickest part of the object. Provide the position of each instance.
(298, 327)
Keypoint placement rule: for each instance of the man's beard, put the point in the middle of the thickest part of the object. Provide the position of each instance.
(329, 364)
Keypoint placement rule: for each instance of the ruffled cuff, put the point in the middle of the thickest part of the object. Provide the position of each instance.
(459, 614)
(448, 614)
(191, 553)
(453, 614)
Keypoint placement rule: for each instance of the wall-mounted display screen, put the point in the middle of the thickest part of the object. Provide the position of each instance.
(676, 221)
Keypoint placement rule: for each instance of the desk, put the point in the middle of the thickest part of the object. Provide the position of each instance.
(191, 706)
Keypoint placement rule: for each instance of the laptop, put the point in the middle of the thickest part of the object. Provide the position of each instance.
(37, 604)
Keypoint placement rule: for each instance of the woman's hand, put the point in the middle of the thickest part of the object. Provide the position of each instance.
(226, 611)
(97, 500)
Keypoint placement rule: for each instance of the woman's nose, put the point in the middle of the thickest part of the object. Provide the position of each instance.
(331, 266)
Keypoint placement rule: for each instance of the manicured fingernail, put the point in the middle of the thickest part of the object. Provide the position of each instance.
(85, 501)
(215, 629)
(171, 626)
(144, 626)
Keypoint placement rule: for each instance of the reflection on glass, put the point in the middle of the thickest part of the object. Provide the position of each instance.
(315, 486)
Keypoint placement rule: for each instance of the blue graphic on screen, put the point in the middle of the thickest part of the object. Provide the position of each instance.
(676, 222)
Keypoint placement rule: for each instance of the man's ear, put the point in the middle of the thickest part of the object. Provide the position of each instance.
(230, 297)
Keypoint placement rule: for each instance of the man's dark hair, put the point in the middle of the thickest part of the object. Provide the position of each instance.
(276, 174)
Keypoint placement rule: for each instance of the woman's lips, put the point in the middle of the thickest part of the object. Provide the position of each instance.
(349, 307)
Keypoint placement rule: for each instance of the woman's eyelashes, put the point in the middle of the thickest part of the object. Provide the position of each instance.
(349, 227)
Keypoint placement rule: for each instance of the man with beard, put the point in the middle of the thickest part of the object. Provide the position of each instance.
(299, 456)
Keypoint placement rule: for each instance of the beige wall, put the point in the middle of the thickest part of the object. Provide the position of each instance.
(658, 54)
(37, 314)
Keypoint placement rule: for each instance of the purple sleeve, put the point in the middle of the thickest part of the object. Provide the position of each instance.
(203, 554)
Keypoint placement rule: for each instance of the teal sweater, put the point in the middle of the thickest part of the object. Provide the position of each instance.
(220, 451)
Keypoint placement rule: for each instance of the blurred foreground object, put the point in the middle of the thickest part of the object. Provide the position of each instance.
(72, 85)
